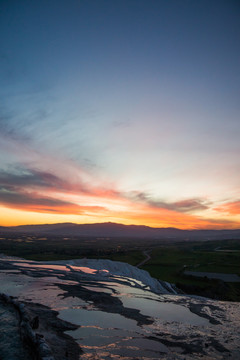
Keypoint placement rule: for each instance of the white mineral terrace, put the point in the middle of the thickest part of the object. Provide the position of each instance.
(123, 313)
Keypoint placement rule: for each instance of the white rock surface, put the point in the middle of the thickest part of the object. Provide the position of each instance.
(117, 268)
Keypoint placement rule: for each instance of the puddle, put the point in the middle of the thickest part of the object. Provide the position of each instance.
(109, 335)
(67, 268)
(96, 331)
(84, 269)
(47, 267)
(125, 290)
(97, 318)
(144, 345)
(164, 311)
(98, 289)
(119, 343)
(39, 290)
(88, 270)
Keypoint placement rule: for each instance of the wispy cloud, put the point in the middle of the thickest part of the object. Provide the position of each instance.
(26, 178)
(32, 179)
(32, 190)
(23, 179)
(44, 192)
(42, 182)
(30, 201)
(190, 205)
(232, 208)
(161, 217)
(187, 205)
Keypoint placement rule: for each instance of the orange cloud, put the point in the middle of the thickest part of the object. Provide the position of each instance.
(28, 190)
(32, 201)
(232, 208)
(129, 213)
(156, 217)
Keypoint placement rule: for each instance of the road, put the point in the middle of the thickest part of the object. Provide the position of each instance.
(148, 257)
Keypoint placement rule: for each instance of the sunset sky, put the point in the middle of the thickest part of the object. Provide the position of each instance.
(120, 110)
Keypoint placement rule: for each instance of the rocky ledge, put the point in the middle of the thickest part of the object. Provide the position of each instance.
(40, 331)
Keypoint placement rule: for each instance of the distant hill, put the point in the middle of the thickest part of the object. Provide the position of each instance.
(119, 230)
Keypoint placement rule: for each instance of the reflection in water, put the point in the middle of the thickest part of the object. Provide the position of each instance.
(87, 270)
(111, 333)
(39, 290)
(47, 267)
(101, 319)
(97, 289)
(163, 310)
(83, 269)
(101, 334)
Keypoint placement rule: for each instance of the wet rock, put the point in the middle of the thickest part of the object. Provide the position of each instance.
(35, 322)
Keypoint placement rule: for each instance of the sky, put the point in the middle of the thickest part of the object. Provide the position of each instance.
(121, 111)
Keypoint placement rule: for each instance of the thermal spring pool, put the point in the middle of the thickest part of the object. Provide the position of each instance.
(128, 316)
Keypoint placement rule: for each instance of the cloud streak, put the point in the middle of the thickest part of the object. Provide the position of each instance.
(38, 191)
(21, 178)
(232, 208)
(187, 205)
(34, 202)
(41, 191)
(24, 180)
(30, 178)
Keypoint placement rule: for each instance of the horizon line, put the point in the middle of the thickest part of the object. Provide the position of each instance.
(115, 223)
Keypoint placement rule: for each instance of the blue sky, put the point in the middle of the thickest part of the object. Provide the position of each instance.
(136, 99)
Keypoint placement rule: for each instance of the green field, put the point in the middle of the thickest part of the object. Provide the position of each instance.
(169, 263)
(169, 258)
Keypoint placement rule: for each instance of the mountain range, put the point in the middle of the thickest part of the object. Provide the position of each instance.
(109, 229)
